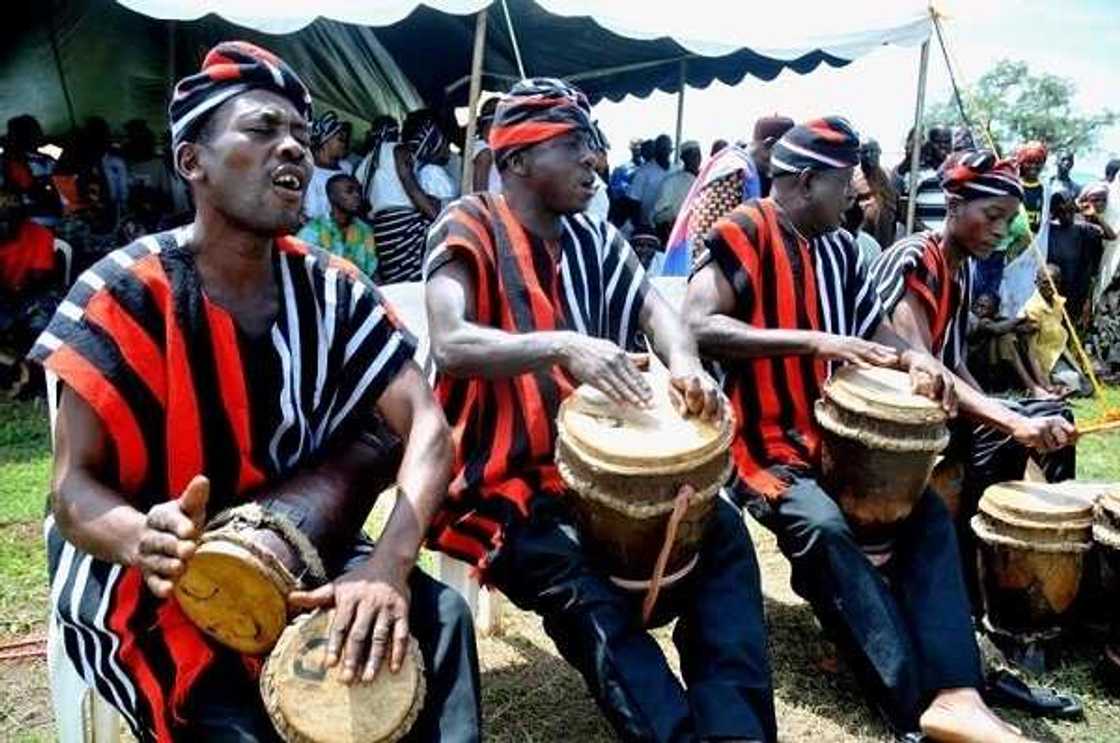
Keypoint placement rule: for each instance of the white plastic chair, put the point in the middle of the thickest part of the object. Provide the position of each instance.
(78, 708)
(66, 253)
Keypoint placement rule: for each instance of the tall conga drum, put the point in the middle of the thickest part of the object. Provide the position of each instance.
(1106, 534)
(235, 588)
(624, 468)
(1032, 541)
(879, 444)
(309, 704)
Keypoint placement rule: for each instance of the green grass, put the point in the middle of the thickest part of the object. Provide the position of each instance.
(1098, 455)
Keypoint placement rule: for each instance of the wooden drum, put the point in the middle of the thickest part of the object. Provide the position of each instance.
(236, 585)
(309, 704)
(880, 442)
(1032, 540)
(625, 466)
(1106, 534)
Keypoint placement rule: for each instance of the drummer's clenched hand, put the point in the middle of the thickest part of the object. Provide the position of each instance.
(170, 537)
(606, 367)
(695, 393)
(930, 378)
(854, 350)
(371, 613)
(1044, 434)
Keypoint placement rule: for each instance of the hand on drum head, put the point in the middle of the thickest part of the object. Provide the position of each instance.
(370, 617)
(1044, 434)
(854, 350)
(930, 378)
(695, 393)
(170, 537)
(607, 368)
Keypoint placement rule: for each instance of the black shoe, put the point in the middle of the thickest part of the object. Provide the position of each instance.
(1007, 690)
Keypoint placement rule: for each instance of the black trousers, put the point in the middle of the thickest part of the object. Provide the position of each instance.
(906, 628)
(226, 708)
(720, 633)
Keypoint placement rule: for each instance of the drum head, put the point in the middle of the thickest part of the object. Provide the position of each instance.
(627, 440)
(1038, 504)
(308, 703)
(231, 595)
(881, 393)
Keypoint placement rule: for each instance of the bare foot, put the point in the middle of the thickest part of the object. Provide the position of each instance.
(960, 716)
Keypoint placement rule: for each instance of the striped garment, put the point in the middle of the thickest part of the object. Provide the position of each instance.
(782, 281)
(399, 233)
(182, 391)
(917, 264)
(504, 430)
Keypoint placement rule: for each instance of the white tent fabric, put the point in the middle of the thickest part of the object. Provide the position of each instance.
(708, 28)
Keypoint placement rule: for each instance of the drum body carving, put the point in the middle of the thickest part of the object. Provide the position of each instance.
(309, 704)
(236, 585)
(879, 444)
(624, 468)
(1032, 540)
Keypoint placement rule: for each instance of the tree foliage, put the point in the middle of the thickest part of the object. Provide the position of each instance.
(1013, 106)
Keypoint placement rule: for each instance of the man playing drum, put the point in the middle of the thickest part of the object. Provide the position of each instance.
(220, 364)
(779, 294)
(527, 298)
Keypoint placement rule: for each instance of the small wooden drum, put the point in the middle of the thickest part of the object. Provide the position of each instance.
(625, 466)
(309, 704)
(880, 442)
(1106, 534)
(1032, 540)
(236, 585)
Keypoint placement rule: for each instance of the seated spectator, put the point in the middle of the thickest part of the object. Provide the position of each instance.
(343, 232)
(149, 177)
(997, 353)
(330, 143)
(27, 171)
(30, 287)
(1048, 347)
(1075, 247)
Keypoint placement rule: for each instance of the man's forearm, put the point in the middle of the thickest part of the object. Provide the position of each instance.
(96, 519)
(473, 350)
(724, 337)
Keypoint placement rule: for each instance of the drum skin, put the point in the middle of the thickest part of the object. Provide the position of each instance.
(624, 469)
(309, 704)
(235, 587)
(879, 443)
(1032, 541)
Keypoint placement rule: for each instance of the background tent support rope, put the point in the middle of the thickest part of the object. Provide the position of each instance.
(916, 143)
(513, 39)
(952, 75)
(49, 14)
(472, 111)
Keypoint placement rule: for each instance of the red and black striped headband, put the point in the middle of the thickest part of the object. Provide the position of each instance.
(229, 69)
(828, 143)
(979, 174)
(535, 111)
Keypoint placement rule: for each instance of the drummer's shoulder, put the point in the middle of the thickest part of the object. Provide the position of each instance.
(127, 263)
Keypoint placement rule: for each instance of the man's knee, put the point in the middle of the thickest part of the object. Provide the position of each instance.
(817, 521)
(454, 612)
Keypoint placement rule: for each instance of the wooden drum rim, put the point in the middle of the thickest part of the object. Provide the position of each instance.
(908, 408)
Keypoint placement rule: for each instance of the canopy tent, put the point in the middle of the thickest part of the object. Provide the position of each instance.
(609, 49)
(65, 61)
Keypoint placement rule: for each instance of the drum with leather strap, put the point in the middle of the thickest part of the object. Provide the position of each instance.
(308, 703)
(1032, 541)
(625, 468)
(1106, 534)
(236, 585)
(879, 444)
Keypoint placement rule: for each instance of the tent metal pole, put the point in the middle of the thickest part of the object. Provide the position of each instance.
(513, 39)
(916, 147)
(467, 185)
(680, 111)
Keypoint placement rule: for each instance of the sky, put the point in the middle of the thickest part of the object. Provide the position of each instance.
(1077, 39)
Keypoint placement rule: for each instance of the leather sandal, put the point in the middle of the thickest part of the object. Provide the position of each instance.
(1004, 689)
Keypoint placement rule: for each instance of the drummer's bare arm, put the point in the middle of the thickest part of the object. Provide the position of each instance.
(696, 392)
(99, 520)
(709, 307)
(911, 323)
(464, 348)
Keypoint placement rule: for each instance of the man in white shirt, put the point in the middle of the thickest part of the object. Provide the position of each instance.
(647, 181)
(330, 143)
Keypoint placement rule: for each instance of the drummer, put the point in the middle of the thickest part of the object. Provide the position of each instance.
(256, 361)
(925, 283)
(527, 298)
(777, 296)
